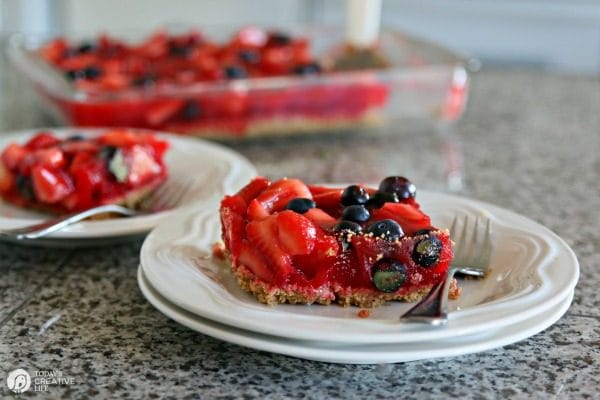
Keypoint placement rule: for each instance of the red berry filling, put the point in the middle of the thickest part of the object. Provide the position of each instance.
(163, 64)
(77, 173)
(292, 242)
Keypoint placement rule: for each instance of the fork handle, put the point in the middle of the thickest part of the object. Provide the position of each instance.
(433, 308)
(47, 227)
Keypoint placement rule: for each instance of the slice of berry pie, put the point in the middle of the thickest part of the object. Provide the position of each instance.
(60, 175)
(297, 243)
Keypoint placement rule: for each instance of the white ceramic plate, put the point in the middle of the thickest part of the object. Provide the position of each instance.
(215, 170)
(357, 353)
(532, 270)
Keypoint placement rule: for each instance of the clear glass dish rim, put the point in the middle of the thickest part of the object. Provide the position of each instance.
(48, 78)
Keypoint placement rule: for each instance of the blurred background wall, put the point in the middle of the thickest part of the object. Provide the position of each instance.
(560, 35)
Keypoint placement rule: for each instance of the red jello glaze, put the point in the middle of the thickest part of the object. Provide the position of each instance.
(287, 249)
(165, 62)
(369, 250)
(316, 266)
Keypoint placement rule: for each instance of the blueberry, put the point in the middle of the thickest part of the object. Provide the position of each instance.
(25, 187)
(347, 229)
(354, 194)
(144, 81)
(75, 138)
(399, 185)
(421, 232)
(107, 152)
(347, 226)
(92, 72)
(307, 69)
(427, 251)
(380, 198)
(387, 229)
(112, 51)
(235, 72)
(75, 74)
(249, 56)
(300, 205)
(190, 110)
(279, 38)
(388, 275)
(180, 51)
(85, 47)
(356, 213)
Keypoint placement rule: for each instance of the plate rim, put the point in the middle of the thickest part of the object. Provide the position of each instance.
(336, 354)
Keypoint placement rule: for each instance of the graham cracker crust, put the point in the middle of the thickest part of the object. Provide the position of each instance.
(364, 298)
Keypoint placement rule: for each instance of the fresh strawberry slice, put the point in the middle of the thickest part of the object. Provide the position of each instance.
(142, 166)
(296, 233)
(7, 180)
(410, 218)
(27, 163)
(318, 263)
(276, 59)
(159, 146)
(41, 141)
(257, 211)
(74, 201)
(88, 174)
(405, 211)
(330, 199)
(79, 160)
(119, 138)
(156, 46)
(234, 203)
(263, 234)
(162, 111)
(275, 197)
(110, 81)
(50, 186)
(51, 157)
(321, 218)
(302, 53)
(317, 189)
(254, 188)
(54, 50)
(12, 156)
(411, 201)
(250, 36)
(251, 258)
(77, 146)
(232, 223)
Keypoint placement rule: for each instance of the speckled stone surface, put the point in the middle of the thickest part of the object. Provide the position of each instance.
(530, 143)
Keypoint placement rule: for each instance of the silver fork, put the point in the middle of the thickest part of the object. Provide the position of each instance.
(472, 254)
(163, 198)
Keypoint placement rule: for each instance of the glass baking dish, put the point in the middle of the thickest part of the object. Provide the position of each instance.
(422, 81)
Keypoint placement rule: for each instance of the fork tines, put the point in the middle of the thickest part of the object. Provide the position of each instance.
(167, 195)
(473, 244)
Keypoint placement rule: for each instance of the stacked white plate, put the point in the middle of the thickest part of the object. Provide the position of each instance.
(529, 286)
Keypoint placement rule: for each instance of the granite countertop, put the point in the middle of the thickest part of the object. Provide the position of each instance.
(530, 143)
